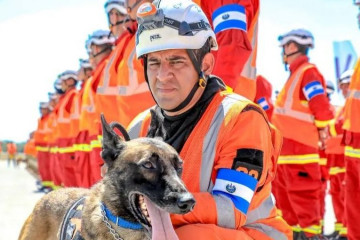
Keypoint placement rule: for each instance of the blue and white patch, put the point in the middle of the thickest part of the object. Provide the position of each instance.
(230, 16)
(313, 89)
(238, 186)
(263, 103)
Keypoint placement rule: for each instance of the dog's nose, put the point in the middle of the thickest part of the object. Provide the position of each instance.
(186, 202)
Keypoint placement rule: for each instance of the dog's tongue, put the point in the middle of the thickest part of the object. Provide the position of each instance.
(162, 228)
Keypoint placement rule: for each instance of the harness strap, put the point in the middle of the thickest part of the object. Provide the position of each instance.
(71, 225)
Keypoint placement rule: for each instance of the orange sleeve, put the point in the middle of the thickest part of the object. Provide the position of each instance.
(247, 131)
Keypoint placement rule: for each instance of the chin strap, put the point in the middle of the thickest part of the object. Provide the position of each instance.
(285, 57)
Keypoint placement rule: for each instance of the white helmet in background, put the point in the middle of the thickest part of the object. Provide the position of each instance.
(99, 37)
(300, 36)
(345, 77)
(330, 87)
(84, 63)
(67, 75)
(172, 24)
(115, 4)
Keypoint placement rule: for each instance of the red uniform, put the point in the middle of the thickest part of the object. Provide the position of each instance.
(263, 95)
(235, 25)
(300, 109)
(336, 162)
(352, 155)
(42, 147)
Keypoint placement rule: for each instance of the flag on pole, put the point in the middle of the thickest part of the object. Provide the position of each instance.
(345, 57)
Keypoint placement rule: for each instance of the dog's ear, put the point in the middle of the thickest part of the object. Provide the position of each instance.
(112, 144)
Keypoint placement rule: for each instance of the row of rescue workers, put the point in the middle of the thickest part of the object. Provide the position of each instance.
(321, 142)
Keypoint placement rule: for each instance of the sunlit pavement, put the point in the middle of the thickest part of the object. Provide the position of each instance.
(18, 198)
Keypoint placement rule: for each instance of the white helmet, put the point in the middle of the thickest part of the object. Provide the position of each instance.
(68, 74)
(84, 63)
(345, 77)
(99, 37)
(330, 87)
(300, 36)
(117, 4)
(172, 24)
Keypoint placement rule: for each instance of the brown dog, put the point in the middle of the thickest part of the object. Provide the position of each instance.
(142, 182)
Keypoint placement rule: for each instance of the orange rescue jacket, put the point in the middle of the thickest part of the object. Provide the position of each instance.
(210, 151)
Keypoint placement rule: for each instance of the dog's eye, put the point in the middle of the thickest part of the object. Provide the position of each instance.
(148, 165)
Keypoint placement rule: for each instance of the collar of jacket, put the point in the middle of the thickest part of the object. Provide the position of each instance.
(298, 62)
(120, 221)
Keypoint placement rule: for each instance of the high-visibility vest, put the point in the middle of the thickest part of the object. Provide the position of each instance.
(203, 157)
(63, 115)
(108, 88)
(291, 116)
(352, 105)
(75, 114)
(133, 91)
(89, 118)
(41, 131)
(333, 144)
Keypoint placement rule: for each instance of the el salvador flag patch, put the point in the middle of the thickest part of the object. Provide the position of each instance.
(313, 89)
(230, 16)
(263, 103)
(237, 186)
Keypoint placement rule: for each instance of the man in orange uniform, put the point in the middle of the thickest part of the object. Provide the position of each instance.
(302, 113)
(228, 147)
(99, 45)
(65, 156)
(123, 77)
(42, 146)
(83, 74)
(352, 153)
(236, 27)
(11, 150)
(263, 95)
(108, 88)
(336, 162)
(52, 135)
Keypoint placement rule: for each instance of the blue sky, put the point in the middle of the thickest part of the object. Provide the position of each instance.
(41, 38)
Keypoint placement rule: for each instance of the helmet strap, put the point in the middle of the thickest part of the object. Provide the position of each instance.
(102, 51)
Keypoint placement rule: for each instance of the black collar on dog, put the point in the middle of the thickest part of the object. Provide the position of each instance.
(118, 220)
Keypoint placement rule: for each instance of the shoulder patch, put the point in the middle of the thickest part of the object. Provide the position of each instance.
(263, 103)
(249, 161)
(231, 16)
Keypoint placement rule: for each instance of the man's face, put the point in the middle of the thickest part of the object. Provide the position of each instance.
(171, 77)
(115, 16)
(344, 87)
(44, 111)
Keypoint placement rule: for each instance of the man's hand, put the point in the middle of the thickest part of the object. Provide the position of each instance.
(323, 136)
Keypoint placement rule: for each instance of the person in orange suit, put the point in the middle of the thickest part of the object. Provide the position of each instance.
(263, 95)
(84, 73)
(302, 113)
(351, 141)
(11, 150)
(52, 135)
(65, 154)
(42, 146)
(123, 77)
(236, 27)
(99, 46)
(336, 162)
(228, 146)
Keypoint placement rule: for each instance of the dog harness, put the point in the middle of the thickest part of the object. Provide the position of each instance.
(71, 225)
